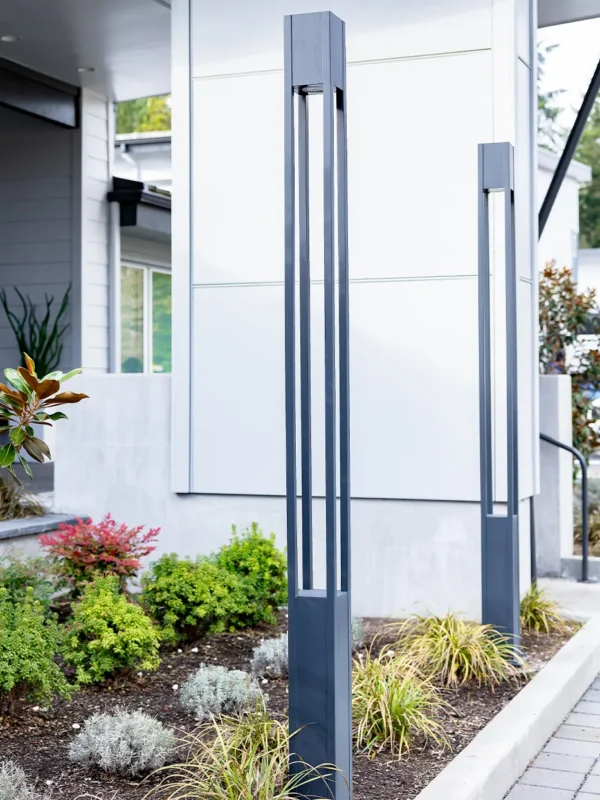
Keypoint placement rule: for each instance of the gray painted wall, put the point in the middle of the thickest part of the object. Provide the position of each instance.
(36, 217)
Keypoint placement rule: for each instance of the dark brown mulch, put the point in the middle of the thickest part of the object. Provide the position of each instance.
(39, 740)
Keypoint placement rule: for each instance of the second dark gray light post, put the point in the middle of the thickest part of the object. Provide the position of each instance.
(319, 619)
(499, 532)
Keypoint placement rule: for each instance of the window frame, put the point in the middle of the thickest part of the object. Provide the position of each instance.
(147, 313)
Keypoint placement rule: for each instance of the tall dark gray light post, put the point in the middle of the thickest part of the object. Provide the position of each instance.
(499, 532)
(319, 619)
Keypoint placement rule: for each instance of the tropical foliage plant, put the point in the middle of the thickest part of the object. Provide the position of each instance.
(42, 338)
(26, 400)
(570, 345)
(85, 550)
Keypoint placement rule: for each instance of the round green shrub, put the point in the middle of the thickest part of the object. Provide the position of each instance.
(191, 598)
(29, 643)
(109, 634)
(255, 558)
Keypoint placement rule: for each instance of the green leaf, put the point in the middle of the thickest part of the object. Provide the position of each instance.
(53, 376)
(7, 455)
(25, 465)
(13, 377)
(57, 415)
(41, 416)
(70, 374)
(31, 447)
(30, 430)
(17, 435)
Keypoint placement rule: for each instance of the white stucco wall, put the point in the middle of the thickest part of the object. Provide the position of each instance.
(113, 456)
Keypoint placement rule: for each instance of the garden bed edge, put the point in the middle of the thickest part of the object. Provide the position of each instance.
(497, 757)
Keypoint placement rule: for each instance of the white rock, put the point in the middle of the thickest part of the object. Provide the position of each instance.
(194, 649)
(180, 651)
(36, 708)
(264, 680)
(175, 687)
(76, 726)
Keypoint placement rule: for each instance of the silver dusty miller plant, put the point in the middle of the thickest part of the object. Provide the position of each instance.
(13, 783)
(358, 633)
(270, 658)
(214, 690)
(126, 742)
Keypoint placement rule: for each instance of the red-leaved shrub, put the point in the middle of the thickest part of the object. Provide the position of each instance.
(86, 550)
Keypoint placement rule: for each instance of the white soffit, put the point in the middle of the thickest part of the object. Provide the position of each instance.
(127, 43)
(557, 12)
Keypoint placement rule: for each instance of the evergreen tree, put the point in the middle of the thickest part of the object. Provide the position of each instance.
(145, 114)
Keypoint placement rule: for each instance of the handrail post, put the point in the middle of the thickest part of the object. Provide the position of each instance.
(585, 566)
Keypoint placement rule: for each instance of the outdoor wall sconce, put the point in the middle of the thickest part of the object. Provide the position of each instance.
(319, 620)
(499, 533)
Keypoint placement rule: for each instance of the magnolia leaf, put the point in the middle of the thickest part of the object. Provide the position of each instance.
(53, 376)
(66, 397)
(25, 465)
(30, 363)
(15, 379)
(42, 446)
(17, 435)
(11, 393)
(33, 450)
(31, 381)
(57, 415)
(30, 430)
(40, 416)
(69, 375)
(7, 455)
(47, 388)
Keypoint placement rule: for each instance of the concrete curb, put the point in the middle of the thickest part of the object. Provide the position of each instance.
(497, 757)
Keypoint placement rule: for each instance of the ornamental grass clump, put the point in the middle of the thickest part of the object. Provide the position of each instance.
(14, 784)
(541, 614)
(270, 657)
(393, 705)
(214, 690)
(125, 743)
(86, 550)
(455, 652)
(109, 635)
(242, 757)
(29, 644)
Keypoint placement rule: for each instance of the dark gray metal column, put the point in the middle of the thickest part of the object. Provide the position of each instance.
(499, 533)
(319, 619)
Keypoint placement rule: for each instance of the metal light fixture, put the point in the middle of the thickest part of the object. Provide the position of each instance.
(499, 533)
(10, 38)
(86, 69)
(319, 620)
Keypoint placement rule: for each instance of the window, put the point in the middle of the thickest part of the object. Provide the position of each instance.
(145, 319)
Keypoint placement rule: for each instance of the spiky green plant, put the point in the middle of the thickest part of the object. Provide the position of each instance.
(42, 337)
(454, 651)
(541, 614)
(243, 757)
(393, 704)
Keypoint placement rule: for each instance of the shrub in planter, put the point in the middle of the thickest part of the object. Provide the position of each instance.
(14, 784)
(126, 742)
(541, 614)
(19, 574)
(192, 597)
(257, 560)
(29, 643)
(270, 657)
(392, 704)
(109, 634)
(214, 690)
(86, 550)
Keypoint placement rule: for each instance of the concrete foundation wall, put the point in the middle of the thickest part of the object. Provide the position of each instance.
(554, 504)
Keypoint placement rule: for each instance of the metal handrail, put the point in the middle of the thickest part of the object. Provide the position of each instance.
(584, 502)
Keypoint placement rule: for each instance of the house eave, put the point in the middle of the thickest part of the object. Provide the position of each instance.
(143, 211)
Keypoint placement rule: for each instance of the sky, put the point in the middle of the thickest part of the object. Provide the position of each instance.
(571, 65)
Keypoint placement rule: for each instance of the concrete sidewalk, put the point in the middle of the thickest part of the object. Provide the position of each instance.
(577, 600)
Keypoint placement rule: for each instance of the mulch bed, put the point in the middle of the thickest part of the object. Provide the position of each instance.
(39, 740)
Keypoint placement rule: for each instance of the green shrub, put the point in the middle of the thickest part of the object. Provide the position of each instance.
(256, 559)
(190, 598)
(109, 634)
(19, 574)
(28, 645)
